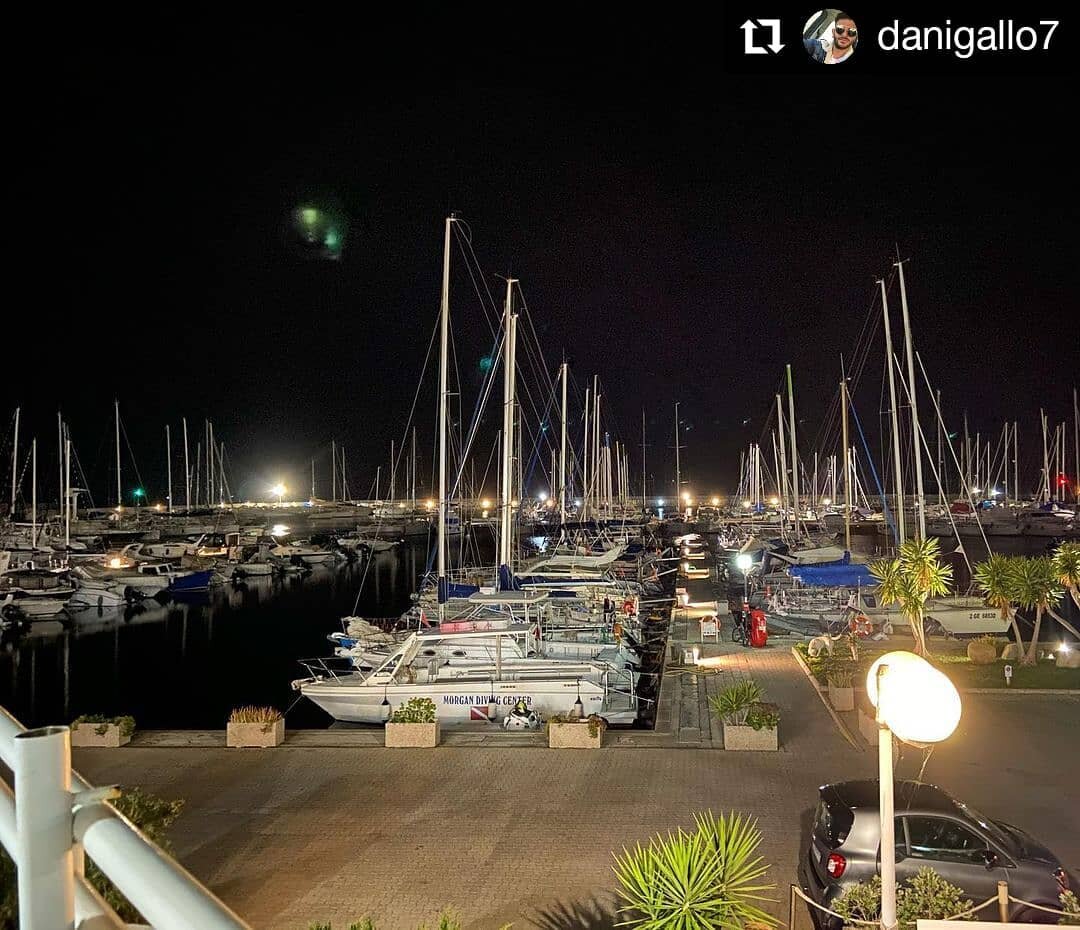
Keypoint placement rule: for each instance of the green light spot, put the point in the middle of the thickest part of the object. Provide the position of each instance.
(485, 363)
(332, 240)
(309, 216)
(139, 492)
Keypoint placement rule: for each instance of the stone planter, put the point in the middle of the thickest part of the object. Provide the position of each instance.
(87, 734)
(1068, 658)
(981, 653)
(747, 738)
(868, 727)
(412, 735)
(255, 735)
(841, 698)
(574, 736)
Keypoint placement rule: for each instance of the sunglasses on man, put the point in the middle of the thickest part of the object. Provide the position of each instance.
(851, 31)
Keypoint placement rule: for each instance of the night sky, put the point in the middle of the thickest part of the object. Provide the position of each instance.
(679, 229)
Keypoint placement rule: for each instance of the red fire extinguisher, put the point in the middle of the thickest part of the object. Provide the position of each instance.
(759, 628)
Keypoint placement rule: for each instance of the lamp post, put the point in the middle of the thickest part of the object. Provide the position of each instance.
(920, 705)
(279, 490)
(743, 561)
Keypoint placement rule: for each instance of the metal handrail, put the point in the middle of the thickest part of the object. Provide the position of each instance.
(54, 814)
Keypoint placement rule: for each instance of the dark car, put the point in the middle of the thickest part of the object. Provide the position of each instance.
(932, 829)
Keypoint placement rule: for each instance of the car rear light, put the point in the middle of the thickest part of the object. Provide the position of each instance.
(1062, 879)
(836, 865)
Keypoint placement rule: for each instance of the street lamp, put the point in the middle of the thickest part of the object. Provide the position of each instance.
(920, 705)
(743, 561)
(279, 490)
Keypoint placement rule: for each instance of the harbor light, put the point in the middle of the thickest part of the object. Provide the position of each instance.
(485, 503)
(747, 504)
(826, 501)
(716, 501)
(976, 490)
(279, 529)
(775, 501)
(430, 504)
(743, 561)
(278, 490)
(543, 496)
(686, 497)
(660, 502)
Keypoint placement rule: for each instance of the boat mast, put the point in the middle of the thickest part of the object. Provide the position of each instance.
(168, 464)
(847, 471)
(585, 464)
(413, 485)
(211, 456)
(444, 331)
(562, 454)
(119, 498)
(644, 505)
(1076, 448)
(33, 495)
(901, 529)
(794, 452)
(920, 503)
(782, 482)
(333, 473)
(67, 492)
(187, 471)
(14, 462)
(393, 471)
(678, 464)
(506, 479)
(60, 454)
(596, 481)
(943, 484)
(1046, 461)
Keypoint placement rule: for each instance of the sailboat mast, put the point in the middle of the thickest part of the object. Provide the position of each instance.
(33, 495)
(168, 464)
(393, 472)
(585, 462)
(413, 486)
(506, 472)
(794, 451)
(562, 454)
(1046, 461)
(187, 470)
(119, 497)
(15, 461)
(782, 477)
(847, 469)
(67, 492)
(444, 333)
(596, 446)
(60, 454)
(678, 464)
(1076, 448)
(644, 505)
(920, 502)
(898, 473)
(333, 473)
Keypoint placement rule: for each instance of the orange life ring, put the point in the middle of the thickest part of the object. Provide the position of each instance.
(628, 607)
(861, 626)
(616, 630)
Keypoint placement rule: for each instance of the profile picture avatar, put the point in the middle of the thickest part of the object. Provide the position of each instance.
(830, 37)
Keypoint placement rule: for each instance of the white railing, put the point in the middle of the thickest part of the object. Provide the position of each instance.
(54, 816)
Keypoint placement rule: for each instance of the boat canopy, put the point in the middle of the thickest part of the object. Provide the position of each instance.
(834, 575)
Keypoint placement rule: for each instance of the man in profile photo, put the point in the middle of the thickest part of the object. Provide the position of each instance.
(834, 44)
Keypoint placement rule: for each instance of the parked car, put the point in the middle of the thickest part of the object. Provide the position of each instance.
(932, 829)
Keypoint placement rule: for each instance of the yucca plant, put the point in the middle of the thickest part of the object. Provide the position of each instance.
(996, 580)
(733, 703)
(1066, 563)
(1036, 588)
(910, 579)
(707, 878)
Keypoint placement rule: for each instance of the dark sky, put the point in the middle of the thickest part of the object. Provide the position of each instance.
(680, 230)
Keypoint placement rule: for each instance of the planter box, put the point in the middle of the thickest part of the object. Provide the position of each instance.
(255, 735)
(573, 736)
(86, 734)
(412, 735)
(747, 738)
(868, 727)
(842, 698)
(1067, 659)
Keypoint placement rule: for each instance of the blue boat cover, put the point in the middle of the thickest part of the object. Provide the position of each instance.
(834, 575)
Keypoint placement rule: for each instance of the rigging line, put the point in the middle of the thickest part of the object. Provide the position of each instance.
(873, 471)
(482, 278)
(416, 394)
(131, 452)
(535, 455)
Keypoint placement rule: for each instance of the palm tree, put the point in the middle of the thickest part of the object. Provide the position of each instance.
(1066, 562)
(1035, 588)
(910, 579)
(996, 579)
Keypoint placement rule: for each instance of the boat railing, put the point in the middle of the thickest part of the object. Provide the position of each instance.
(336, 667)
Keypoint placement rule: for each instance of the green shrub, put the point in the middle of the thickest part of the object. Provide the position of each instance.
(415, 710)
(1071, 906)
(101, 723)
(927, 896)
(839, 671)
(733, 703)
(763, 716)
(710, 877)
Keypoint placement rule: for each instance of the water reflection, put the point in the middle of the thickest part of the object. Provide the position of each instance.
(186, 663)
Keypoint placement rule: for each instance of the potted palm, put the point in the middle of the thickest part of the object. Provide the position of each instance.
(984, 649)
(255, 728)
(572, 732)
(413, 725)
(709, 877)
(106, 732)
(1036, 587)
(748, 722)
(908, 580)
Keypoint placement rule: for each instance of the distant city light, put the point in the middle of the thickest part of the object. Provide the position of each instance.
(660, 502)
(716, 501)
(485, 503)
(279, 529)
(775, 501)
(430, 504)
(543, 495)
(747, 504)
(826, 501)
